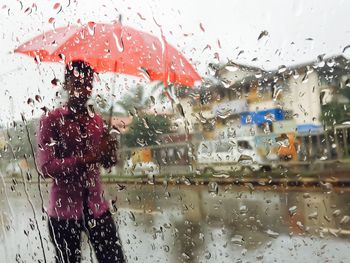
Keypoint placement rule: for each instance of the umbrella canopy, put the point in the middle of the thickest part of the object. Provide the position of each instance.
(113, 48)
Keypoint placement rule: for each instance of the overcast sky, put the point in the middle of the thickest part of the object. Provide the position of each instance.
(205, 31)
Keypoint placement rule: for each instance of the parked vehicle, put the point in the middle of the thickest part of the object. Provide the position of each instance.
(230, 155)
(13, 169)
(140, 168)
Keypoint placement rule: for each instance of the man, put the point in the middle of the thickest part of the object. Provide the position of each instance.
(73, 144)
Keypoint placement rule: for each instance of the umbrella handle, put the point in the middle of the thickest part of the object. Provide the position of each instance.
(112, 106)
(110, 118)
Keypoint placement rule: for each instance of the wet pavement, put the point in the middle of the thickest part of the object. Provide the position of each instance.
(196, 223)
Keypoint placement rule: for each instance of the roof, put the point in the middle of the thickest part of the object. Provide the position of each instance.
(333, 65)
(304, 129)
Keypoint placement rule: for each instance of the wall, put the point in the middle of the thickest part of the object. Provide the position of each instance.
(304, 99)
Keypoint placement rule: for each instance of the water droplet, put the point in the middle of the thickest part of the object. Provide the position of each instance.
(306, 195)
(140, 142)
(141, 17)
(62, 57)
(185, 256)
(249, 119)
(29, 176)
(224, 114)
(213, 188)
(153, 100)
(166, 248)
(250, 187)
(292, 210)
(131, 216)
(296, 74)
(57, 6)
(119, 42)
(28, 10)
(320, 61)
(336, 213)
(282, 69)
(76, 72)
(144, 73)
(263, 33)
(58, 202)
(269, 117)
(345, 220)
(207, 255)
(245, 159)
(313, 215)
(92, 223)
(150, 178)
(277, 93)
(272, 233)
(231, 66)
(240, 53)
(91, 111)
(38, 98)
(346, 48)
(226, 83)
(243, 209)
(30, 102)
(327, 186)
(154, 46)
(237, 240)
(91, 27)
(186, 181)
(212, 68)
(330, 63)
(45, 110)
(300, 225)
(37, 59)
(258, 75)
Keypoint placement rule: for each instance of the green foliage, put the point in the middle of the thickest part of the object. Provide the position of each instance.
(137, 99)
(17, 140)
(335, 113)
(143, 130)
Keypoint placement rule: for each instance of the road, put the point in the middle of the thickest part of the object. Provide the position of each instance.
(197, 223)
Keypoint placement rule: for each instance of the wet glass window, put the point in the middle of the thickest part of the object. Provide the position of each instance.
(174, 131)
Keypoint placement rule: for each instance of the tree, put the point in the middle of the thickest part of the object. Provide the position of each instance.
(144, 130)
(137, 98)
(336, 112)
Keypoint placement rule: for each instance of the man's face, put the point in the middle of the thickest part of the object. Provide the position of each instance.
(79, 87)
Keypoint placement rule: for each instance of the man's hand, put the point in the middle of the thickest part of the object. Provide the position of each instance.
(108, 151)
(90, 158)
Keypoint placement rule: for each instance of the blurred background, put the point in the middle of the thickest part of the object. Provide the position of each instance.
(251, 163)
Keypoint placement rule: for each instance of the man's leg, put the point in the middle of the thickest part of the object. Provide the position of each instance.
(66, 236)
(105, 240)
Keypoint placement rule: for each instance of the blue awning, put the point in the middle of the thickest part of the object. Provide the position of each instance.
(259, 117)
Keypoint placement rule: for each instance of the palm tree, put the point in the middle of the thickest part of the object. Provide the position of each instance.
(138, 99)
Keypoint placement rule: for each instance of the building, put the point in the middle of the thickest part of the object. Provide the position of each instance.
(287, 103)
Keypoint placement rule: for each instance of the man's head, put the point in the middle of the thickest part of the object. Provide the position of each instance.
(78, 82)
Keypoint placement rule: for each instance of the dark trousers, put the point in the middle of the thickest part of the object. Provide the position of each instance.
(102, 233)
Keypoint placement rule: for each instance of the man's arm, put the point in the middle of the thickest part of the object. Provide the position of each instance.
(108, 148)
(49, 163)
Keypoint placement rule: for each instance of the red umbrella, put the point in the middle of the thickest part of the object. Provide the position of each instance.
(113, 48)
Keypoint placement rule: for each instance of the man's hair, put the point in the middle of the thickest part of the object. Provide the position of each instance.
(78, 69)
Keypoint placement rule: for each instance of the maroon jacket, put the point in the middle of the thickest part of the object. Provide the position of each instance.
(62, 137)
